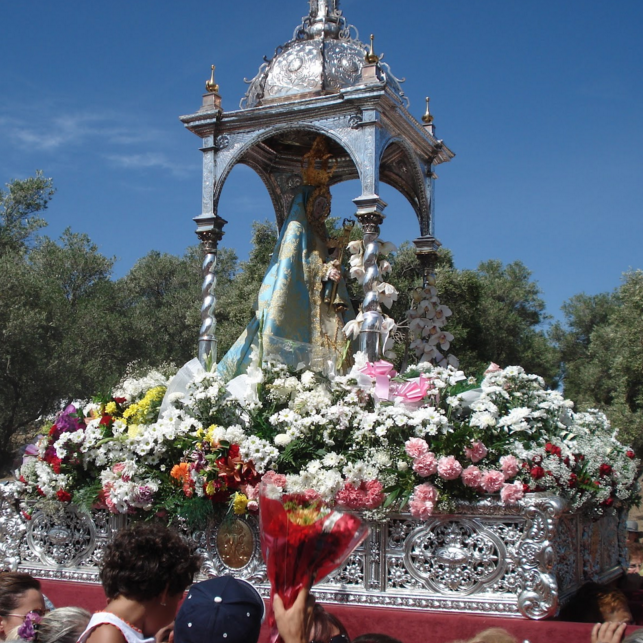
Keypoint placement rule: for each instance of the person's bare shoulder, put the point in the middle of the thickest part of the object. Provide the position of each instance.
(106, 633)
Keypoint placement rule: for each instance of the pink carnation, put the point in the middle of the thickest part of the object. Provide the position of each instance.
(415, 447)
(426, 492)
(278, 479)
(510, 466)
(472, 477)
(512, 493)
(368, 495)
(425, 465)
(476, 452)
(449, 468)
(423, 501)
(492, 481)
(421, 509)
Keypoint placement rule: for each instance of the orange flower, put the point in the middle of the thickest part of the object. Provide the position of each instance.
(180, 472)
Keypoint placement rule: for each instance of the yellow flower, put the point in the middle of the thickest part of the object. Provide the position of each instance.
(209, 436)
(111, 408)
(133, 430)
(139, 412)
(239, 503)
(210, 488)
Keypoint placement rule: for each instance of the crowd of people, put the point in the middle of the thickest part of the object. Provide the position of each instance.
(147, 569)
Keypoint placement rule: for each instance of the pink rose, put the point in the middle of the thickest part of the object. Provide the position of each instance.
(510, 466)
(493, 368)
(472, 477)
(512, 493)
(425, 465)
(415, 447)
(492, 481)
(449, 468)
(476, 452)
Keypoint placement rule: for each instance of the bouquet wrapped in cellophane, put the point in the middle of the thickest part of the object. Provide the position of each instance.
(302, 539)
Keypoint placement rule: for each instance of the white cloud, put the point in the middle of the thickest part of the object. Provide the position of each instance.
(150, 160)
(118, 137)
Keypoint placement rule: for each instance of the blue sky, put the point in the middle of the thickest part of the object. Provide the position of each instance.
(539, 100)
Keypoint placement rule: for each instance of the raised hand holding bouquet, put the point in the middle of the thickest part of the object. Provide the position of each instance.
(302, 539)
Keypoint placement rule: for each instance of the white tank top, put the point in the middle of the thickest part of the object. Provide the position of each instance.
(100, 618)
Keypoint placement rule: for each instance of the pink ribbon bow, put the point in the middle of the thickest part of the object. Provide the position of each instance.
(413, 391)
(382, 372)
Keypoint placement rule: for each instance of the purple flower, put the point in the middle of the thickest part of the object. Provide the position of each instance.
(27, 630)
(66, 420)
(144, 495)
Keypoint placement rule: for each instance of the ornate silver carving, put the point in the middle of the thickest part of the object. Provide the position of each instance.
(457, 556)
(321, 57)
(485, 558)
(221, 142)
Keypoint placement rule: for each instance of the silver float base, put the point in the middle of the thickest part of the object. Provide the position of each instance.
(523, 561)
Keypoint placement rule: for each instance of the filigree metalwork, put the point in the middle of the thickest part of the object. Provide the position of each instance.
(486, 558)
(454, 556)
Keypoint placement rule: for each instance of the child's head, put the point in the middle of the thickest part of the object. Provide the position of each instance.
(220, 609)
(148, 563)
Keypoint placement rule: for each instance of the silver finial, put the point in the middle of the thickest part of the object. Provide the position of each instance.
(324, 18)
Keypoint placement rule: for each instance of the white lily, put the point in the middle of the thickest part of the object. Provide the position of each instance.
(353, 327)
(387, 294)
(356, 247)
(386, 247)
(385, 267)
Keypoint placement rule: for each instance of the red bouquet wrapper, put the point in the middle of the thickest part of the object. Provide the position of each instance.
(302, 541)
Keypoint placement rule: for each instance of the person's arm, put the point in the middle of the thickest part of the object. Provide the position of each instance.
(294, 624)
(608, 632)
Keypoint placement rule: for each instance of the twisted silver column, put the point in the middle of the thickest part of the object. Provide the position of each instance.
(210, 236)
(369, 339)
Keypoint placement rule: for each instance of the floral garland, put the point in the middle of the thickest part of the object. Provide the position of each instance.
(371, 440)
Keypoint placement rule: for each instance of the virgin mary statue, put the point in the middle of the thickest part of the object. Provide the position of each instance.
(303, 303)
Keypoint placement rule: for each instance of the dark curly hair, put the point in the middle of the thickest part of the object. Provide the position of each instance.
(144, 559)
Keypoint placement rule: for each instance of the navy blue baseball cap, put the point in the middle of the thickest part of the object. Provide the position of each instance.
(220, 610)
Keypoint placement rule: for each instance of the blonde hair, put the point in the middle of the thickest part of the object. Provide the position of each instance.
(492, 635)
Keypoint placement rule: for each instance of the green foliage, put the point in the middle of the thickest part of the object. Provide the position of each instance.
(602, 352)
(161, 296)
(61, 325)
(498, 314)
(18, 207)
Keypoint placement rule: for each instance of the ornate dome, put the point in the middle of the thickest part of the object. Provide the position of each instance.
(322, 58)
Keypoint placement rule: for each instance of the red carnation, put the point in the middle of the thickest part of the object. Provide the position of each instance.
(106, 419)
(605, 470)
(63, 496)
(554, 450)
(525, 487)
(120, 400)
(630, 454)
(537, 473)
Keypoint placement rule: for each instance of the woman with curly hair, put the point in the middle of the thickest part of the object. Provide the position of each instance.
(145, 571)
